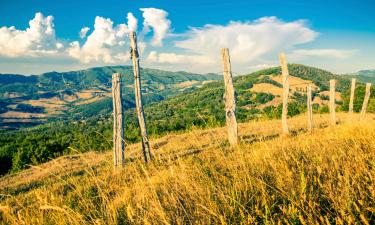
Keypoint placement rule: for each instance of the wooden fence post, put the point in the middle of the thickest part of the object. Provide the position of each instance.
(138, 96)
(285, 74)
(118, 122)
(230, 99)
(365, 101)
(309, 108)
(332, 106)
(351, 102)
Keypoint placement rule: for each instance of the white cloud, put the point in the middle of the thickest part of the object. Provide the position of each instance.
(105, 44)
(132, 22)
(157, 20)
(248, 40)
(83, 32)
(332, 53)
(252, 44)
(37, 40)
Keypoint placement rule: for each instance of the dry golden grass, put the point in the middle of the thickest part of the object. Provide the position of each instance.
(267, 88)
(51, 105)
(295, 82)
(337, 95)
(22, 115)
(319, 178)
(93, 99)
(185, 84)
(85, 94)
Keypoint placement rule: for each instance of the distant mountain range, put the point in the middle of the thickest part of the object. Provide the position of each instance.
(30, 100)
(366, 76)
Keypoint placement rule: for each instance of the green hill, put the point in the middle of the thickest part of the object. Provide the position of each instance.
(29, 100)
(258, 96)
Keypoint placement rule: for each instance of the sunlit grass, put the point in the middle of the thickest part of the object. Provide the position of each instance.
(320, 178)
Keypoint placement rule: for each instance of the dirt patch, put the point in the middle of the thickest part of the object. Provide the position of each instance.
(338, 96)
(296, 83)
(186, 84)
(22, 115)
(85, 94)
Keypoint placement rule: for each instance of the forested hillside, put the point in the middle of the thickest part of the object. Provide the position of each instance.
(30, 100)
(258, 96)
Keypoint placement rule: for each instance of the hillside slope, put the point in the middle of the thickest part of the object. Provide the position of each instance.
(29, 100)
(323, 177)
(258, 96)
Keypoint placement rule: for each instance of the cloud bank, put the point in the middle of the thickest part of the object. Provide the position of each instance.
(253, 44)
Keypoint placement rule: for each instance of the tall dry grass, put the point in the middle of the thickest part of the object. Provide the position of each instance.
(326, 177)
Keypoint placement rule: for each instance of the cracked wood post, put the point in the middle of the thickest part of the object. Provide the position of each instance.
(351, 102)
(365, 101)
(309, 109)
(230, 99)
(285, 74)
(332, 106)
(118, 122)
(138, 97)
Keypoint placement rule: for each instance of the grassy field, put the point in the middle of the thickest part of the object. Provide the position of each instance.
(324, 177)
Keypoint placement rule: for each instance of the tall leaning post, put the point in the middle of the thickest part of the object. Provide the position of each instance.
(332, 104)
(230, 99)
(309, 109)
(118, 122)
(138, 97)
(285, 75)
(365, 101)
(351, 102)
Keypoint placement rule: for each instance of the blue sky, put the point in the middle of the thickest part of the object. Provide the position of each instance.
(186, 35)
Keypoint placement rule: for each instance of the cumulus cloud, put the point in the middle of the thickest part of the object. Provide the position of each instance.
(38, 39)
(106, 44)
(252, 44)
(83, 32)
(132, 22)
(248, 40)
(157, 20)
(332, 53)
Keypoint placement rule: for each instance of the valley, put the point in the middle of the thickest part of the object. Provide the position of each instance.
(29, 100)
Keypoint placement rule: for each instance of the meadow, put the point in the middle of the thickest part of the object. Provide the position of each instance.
(323, 177)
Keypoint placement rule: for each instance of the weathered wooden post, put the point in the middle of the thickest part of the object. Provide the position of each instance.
(351, 102)
(118, 122)
(365, 101)
(309, 109)
(230, 99)
(285, 74)
(138, 96)
(332, 107)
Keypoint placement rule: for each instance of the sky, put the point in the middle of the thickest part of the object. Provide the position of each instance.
(39, 36)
